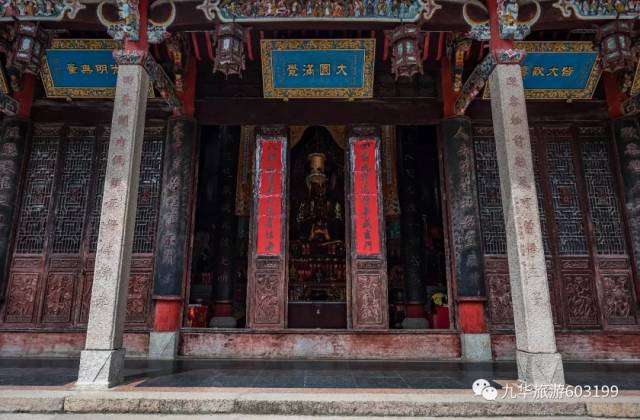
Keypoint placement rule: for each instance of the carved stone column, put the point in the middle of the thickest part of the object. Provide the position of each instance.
(267, 272)
(464, 221)
(102, 361)
(172, 240)
(368, 260)
(539, 363)
(15, 133)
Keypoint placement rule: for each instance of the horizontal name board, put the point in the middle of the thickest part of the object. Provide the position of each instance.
(341, 68)
(80, 68)
(558, 70)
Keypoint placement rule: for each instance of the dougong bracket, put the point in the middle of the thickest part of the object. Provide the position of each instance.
(481, 73)
(474, 84)
(510, 24)
(128, 26)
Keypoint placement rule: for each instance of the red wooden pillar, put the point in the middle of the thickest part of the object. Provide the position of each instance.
(368, 262)
(267, 272)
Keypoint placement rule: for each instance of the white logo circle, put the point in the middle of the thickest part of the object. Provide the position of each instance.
(479, 385)
(490, 393)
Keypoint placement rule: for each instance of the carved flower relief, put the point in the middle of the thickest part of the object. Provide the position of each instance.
(501, 305)
(22, 295)
(59, 296)
(580, 298)
(370, 296)
(617, 297)
(136, 302)
(266, 297)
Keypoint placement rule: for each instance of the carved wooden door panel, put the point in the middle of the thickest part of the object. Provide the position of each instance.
(570, 245)
(140, 277)
(614, 274)
(65, 250)
(54, 253)
(24, 288)
(583, 229)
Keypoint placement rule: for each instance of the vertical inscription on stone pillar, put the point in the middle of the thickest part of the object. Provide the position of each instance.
(463, 205)
(368, 259)
(14, 135)
(524, 239)
(174, 207)
(115, 238)
(267, 269)
(627, 131)
(538, 360)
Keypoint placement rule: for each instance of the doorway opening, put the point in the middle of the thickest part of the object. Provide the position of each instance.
(217, 289)
(317, 283)
(416, 263)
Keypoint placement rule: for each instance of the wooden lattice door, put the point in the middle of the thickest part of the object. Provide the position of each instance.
(583, 228)
(54, 252)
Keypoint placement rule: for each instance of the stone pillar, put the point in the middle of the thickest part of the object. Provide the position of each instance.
(102, 361)
(15, 133)
(369, 307)
(464, 221)
(538, 360)
(411, 237)
(172, 240)
(267, 272)
(226, 235)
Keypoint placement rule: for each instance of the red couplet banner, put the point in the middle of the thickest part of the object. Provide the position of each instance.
(269, 228)
(365, 196)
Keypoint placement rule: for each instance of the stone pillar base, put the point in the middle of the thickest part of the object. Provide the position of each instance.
(163, 345)
(100, 369)
(476, 347)
(223, 322)
(540, 368)
(415, 324)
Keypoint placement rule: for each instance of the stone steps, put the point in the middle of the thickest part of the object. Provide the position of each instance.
(443, 403)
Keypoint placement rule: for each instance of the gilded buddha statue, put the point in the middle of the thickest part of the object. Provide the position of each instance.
(318, 216)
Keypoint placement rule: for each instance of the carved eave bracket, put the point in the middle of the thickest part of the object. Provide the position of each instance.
(599, 9)
(511, 24)
(55, 10)
(481, 73)
(458, 46)
(355, 11)
(128, 24)
(156, 73)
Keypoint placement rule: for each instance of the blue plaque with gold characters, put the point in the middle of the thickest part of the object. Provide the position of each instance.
(314, 68)
(558, 70)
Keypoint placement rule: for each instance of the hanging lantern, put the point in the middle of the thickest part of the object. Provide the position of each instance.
(24, 45)
(616, 46)
(406, 54)
(229, 58)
